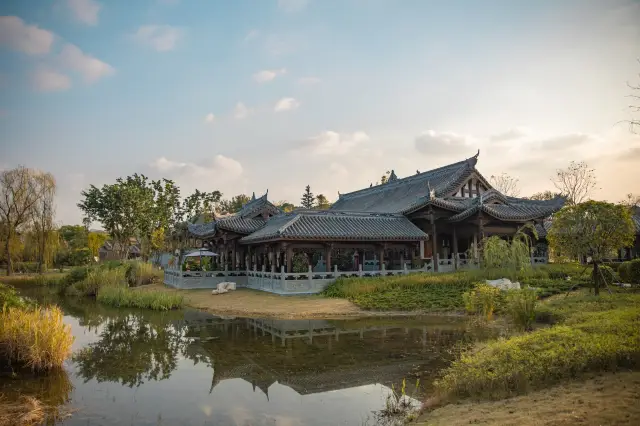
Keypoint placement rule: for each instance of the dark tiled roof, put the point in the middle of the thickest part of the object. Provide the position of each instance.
(257, 205)
(332, 225)
(513, 209)
(233, 223)
(407, 194)
(636, 222)
(203, 229)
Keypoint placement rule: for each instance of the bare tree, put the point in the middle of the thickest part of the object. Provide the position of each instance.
(19, 193)
(43, 215)
(576, 182)
(631, 201)
(544, 195)
(506, 184)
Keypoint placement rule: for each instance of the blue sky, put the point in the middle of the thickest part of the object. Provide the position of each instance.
(242, 96)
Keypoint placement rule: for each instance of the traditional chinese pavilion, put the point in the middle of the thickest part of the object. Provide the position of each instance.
(435, 217)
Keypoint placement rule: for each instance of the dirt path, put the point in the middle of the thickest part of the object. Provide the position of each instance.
(610, 399)
(252, 303)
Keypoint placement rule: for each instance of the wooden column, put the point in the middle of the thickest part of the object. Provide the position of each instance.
(455, 248)
(289, 256)
(234, 262)
(434, 244)
(380, 257)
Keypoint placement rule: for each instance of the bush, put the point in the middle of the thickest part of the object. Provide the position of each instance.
(634, 271)
(598, 333)
(9, 298)
(482, 300)
(606, 276)
(25, 267)
(35, 338)
(624, 271)
(98, 278)
(139, 273)
(126, 298)
(521, 307)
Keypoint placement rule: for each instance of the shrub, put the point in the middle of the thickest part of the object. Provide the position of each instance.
(139, 273)
(482, 300)
(521, 307)
(634, 271)
(606, 275)
(9, 298)
(35, 338)
(126, 298)
(624, 270)
(98, 278)
(25, 267)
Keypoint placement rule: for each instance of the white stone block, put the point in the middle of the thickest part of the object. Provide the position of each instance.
(504, 284)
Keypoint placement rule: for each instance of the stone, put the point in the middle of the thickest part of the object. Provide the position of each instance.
(224, 287)
(504, 284)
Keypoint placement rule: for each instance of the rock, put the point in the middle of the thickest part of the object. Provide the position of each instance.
(224, 287)
(504, 284)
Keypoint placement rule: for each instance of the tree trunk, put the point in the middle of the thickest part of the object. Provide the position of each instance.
(7, 246)
(596, 279)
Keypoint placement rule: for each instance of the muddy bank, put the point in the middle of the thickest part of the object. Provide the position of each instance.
(608, 399)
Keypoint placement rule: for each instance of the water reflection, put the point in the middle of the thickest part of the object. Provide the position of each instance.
(189, 367)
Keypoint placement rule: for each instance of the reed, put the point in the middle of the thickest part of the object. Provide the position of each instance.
(34, 338)
(24, 412)
(98, 278)
(126, 298)
(140, 273)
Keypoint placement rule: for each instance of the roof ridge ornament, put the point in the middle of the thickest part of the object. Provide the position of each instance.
(253, 197)
(432, 192)
(392, 176)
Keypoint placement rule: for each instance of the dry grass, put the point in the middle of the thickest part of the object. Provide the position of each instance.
(26, 411)
(35, 338)
(610, 399)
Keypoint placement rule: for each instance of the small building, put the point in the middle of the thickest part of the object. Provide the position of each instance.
(111, 250)
(432, 221)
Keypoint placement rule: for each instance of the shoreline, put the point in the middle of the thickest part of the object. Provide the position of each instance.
(249, 303)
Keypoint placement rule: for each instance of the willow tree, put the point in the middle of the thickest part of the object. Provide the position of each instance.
(592, 230)
(513, 255)
(21, 189)
(43, 216)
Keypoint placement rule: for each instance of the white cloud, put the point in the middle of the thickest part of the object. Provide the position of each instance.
(217, 169)
(90, 68)
(308, 81)
(567, 141)
(268, 75)
(286, 104)
(159, 37)
(334, 143)
(85, 11)
(436, 143)
(292, 5)
(30, 39)
(241, 111)
(513, 133)
(47, 80)
(209, 118)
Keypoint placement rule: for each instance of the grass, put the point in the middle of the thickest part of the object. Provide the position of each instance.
(127, 298)
(47, 279)
(34, 338)
(139, 273)
(98, 278)
(443, 292)
(26, 411)
(590, 334)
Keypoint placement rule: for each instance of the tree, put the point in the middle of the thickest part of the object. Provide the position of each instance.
(20, 191)
(592, 229)
(308, 199)
(201, 204)
(43, 218)
(634, 123)
(234, 205)
(74, 236)
(631, 201)
(95, 240)
(506, 184)
(385, 177)
(544, 195)
(322, 202)
(576, 182)
(285, 206)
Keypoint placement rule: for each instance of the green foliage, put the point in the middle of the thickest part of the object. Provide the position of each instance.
(300, 264)
(95, 240)
(233, 205)
(593, 337)
(606, 274)
(515, 255)
(9, 298)
(624, 271)
(34, 338)
(98, 278)
(140, 273)
(632, 271)
(521, 307)
(482, 300)
(126, 298)
(74, 236)
(25, 267)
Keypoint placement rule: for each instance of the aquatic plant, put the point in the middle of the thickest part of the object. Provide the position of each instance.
(141, 273)
(97, 278)
(399, 405)
(24, 412)
(9, 298)
(34, 338)
(127, 298)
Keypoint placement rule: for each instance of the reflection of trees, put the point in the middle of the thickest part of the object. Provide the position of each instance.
(53, 390)
(132, 349)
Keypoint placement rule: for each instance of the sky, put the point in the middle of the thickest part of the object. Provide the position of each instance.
(249, 95)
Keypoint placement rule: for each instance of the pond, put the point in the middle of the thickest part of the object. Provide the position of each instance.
(134, 367)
